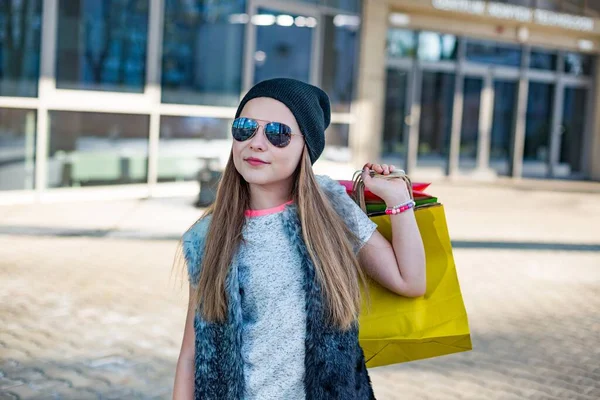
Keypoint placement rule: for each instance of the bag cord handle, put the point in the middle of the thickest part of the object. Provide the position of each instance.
(358, 186)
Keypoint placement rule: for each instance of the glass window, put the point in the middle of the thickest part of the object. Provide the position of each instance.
(190, 144)
(552, 5)
(88, 148)
(494, 53)
(436, 46)
(346, 5)
(593, 8)
(283, 45)
(524, 3)
(102, 45)
(197, 68)
(17, 148)
(573, 6)
(578, 64)
(20, 33)
(337, 139)
(543, 59)
(340, 55)
(401, 43)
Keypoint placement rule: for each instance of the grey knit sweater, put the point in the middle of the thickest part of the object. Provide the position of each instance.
(273, 301)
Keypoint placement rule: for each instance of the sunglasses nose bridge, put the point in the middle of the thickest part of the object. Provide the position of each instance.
(258, 134)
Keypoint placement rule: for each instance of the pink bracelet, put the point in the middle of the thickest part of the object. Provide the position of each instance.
(400, 208)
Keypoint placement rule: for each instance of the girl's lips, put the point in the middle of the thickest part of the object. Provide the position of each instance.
(255, 162)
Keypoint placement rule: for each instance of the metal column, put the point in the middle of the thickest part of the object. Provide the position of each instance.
(486, 114)
(518, 142)
(46, 84)
(413, 118)
(457, 111)
(556, 129)
(153, 88)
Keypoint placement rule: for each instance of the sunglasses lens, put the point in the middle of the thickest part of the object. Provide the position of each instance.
(278, 134)
(243, 128)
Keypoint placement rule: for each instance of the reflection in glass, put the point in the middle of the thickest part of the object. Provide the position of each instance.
(573, 128)
(552, 5)
(538, 128)
(593, 8)
(283, 45)
(189, 144)
(578, 64)
(401, 43)
(543, 59)
(203, 48)
(20, 31)
(437, 98)
(395, 113)
(88, 148)
(337, 143)
(505, 97)
(470, 122)
(339, 60)
(524, 3)
(346, 5)
(494, 53)
(436, 46)
(17, 148)
(101, 45)
(574, 6)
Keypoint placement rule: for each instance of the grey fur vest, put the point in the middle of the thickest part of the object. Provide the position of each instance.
(334, 361)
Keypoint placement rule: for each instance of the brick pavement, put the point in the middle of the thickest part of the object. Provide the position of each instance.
(100, 316)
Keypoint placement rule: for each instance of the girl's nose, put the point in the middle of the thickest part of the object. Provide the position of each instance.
(259, 140)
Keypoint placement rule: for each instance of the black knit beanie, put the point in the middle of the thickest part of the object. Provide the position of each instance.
(308, 103)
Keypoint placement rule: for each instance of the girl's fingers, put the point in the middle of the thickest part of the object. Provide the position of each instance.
(365, 172)
(384, 169)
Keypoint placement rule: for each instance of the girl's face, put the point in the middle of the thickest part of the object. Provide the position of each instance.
(279, 163)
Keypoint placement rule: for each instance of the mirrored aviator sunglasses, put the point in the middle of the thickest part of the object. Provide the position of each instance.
(277, 133)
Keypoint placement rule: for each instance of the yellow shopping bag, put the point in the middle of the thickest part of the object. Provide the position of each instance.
(399, 329)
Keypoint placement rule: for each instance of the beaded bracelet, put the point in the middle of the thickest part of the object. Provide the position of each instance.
(400, 208)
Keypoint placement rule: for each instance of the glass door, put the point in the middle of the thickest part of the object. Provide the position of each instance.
(282, 43)
(503, 122)
(396, 119)
(538, 129)
(471, 124)
(435, 124)
(572, 132)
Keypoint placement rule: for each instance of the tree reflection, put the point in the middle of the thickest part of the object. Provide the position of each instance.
(19, 47)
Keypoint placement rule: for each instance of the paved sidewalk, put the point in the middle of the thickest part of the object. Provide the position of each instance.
(90, 307)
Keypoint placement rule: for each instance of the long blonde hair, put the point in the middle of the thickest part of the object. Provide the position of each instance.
(328, 240)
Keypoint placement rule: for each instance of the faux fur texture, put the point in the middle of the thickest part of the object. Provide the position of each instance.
(334, 361)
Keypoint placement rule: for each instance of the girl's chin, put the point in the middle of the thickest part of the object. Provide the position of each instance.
(258, 177)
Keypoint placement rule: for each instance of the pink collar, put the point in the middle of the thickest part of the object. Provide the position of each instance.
(267, 211)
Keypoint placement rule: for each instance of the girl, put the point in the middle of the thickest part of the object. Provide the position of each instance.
(274, 263)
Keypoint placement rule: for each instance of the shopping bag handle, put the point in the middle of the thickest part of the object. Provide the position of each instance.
(358, 186)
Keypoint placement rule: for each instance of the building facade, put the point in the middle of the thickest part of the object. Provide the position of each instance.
(135, 97)
(482, 88)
